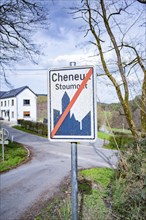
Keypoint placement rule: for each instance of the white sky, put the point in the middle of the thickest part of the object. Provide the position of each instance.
(61, 43)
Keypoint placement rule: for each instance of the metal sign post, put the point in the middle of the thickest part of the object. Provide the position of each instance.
(74, 179)
(3, 147)
(72, 113)
(74, 174)
(4, 134)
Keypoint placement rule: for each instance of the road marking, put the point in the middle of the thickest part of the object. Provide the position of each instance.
(63, 116)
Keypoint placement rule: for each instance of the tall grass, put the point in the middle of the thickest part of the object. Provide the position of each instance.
(14, 154)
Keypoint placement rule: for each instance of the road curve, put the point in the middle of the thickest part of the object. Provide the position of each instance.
(40, 177)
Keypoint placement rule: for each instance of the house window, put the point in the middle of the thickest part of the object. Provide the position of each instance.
(1, 103)
(5, 103)
(12, 114)
(26, 102)
(26, 114)
(12, 102)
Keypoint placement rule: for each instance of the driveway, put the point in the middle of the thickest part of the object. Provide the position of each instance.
(38, 179)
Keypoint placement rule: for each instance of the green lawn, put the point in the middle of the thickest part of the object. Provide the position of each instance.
(103, 135)
(106, 136)
(14, 155)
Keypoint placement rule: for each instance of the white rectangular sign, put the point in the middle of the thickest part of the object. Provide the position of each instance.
(72, 104)
(5, 142)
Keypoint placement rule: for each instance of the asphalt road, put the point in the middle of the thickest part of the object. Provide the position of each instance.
(39, 178)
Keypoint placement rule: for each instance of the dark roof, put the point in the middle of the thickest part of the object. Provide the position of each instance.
(2, 93)
(13, 92)
(41, 94)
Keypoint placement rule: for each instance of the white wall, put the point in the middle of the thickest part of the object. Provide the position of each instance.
(8, 107)
(32, 108)
(17, 110)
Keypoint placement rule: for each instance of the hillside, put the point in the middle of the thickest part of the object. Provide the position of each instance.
(115, 114)
(41, 107)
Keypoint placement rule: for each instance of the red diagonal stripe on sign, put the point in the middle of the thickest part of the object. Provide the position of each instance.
(76, 95)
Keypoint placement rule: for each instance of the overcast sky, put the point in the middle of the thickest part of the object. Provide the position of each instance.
(61, 43)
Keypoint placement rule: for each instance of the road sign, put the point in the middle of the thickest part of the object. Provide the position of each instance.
(5, 142)
(72, 104)
(5, 134)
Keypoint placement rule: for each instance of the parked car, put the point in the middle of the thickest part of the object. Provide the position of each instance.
(1, 118)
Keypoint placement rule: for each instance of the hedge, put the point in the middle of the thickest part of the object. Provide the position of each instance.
(121, 140)
(36, 127)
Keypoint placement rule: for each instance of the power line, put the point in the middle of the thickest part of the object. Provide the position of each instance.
(27, 72)
(25, 69)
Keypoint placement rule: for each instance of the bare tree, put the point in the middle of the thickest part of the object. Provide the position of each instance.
(119, 53)
(18, 19)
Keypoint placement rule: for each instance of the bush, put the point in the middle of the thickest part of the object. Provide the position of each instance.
(128, 190)
(36, 127)
(19, 121)
(121, 140)
(121, 133)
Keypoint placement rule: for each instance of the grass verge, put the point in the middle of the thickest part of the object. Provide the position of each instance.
(28, 131)
(14, 155)
(104, 136)
(23, 129)
(111, 141)
(92, 193)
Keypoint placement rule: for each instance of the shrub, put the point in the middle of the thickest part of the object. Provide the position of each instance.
(19, 121)
(121, 140)
(129, 186)
(36, 127)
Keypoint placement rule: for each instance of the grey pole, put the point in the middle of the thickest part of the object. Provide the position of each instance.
(74, 176)
(3, 147)
(74, 181)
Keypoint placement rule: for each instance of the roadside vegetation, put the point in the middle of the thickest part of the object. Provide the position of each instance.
(106, 194)
(15, 154)
(117, 139)
(33, 127)
(128, 188)
(26, 130)
(104, 136)
(93, 190)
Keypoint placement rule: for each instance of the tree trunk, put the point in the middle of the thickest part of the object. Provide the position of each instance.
(130, 121)
(143, 106)
(123, 85)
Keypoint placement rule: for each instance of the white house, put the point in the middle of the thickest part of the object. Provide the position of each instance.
(18, 104)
